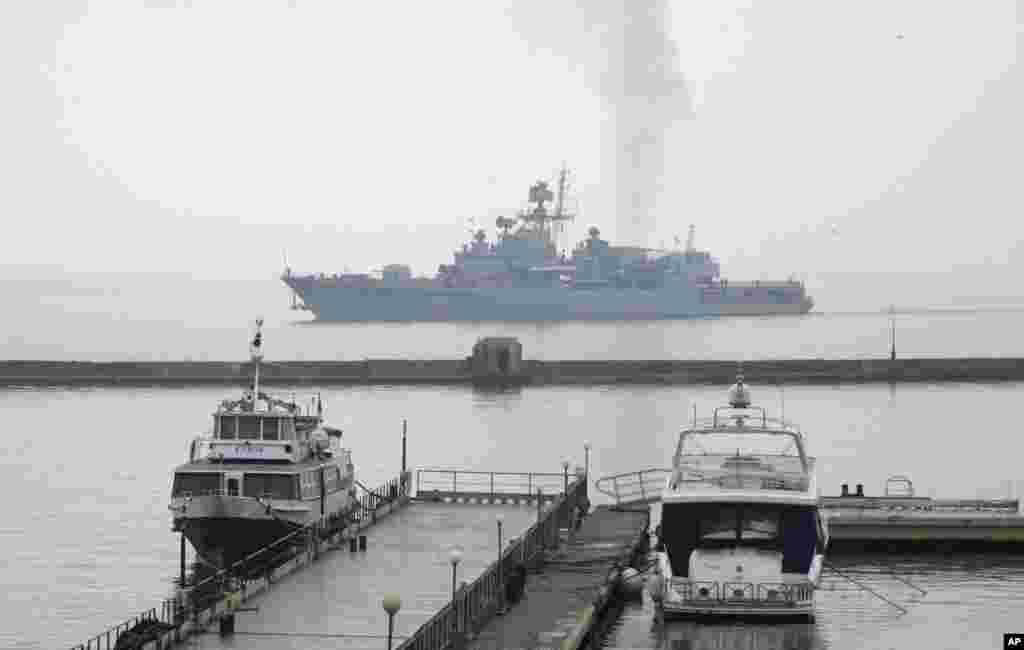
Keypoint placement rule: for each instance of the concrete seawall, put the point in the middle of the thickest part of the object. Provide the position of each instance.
(459, 371)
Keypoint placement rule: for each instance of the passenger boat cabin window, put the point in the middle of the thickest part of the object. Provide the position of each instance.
(270, 429)
(226, 427)
(287, 430)
(310, 485)
(271, 486)
(195, 483)
(248, 428)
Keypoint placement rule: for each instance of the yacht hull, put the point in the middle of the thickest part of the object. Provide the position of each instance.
(692, 599)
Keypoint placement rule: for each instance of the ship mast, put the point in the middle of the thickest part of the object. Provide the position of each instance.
(561, 191)
(539, 221)
(256, 353)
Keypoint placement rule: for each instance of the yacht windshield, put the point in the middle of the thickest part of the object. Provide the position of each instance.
(739, 444)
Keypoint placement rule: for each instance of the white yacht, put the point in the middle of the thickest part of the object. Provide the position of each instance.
(266, 469)
(741, 530)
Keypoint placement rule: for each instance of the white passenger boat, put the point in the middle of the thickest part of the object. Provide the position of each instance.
(741, 532)
(266, 469)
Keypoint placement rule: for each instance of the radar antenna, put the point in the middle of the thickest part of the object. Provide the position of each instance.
(543, 222)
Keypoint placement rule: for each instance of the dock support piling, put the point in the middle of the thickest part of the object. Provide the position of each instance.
(182, 578)
(501, 577)
(227, 625)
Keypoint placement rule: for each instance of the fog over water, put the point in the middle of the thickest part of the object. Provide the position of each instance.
(807, 138)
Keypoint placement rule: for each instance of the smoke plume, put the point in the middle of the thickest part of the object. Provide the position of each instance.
(645, 93)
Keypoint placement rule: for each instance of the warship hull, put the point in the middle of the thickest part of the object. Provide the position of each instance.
(381, 304)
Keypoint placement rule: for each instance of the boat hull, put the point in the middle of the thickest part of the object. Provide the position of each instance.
(224, 530)
(398, 304)
(221, 541)
(800, 612)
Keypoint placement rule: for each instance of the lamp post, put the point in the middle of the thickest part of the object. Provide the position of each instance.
(586, 461)
(892, 349)
(455, 556)
(392, 603)
(501, 576)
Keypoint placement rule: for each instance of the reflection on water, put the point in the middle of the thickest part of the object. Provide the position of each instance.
(960, 601)
(693, 636)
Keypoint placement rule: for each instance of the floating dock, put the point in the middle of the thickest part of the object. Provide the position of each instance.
(884, 524)
(532, 373)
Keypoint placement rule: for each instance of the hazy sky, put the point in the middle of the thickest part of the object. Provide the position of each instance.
(803, 136)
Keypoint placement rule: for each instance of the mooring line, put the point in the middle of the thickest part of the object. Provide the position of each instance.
(866, 588)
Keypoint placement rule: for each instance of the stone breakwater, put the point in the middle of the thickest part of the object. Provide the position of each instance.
(458, 371)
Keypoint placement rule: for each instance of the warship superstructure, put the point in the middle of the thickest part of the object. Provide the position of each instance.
(522, 277)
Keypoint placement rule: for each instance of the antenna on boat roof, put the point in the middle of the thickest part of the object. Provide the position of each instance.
(256, 353)
(739, 396)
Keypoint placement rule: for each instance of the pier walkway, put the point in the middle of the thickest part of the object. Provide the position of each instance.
(329, 586)
(336, 602)
(561, 599)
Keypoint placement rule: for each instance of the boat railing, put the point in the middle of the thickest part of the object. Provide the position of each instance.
(203, 599)
(474, 604)
(648, 485)
(458, 483)
(108, 638)
(724, 479)
(873, 506)
(747, 592)
(724, 417)
(644, 486)
(733, 413)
